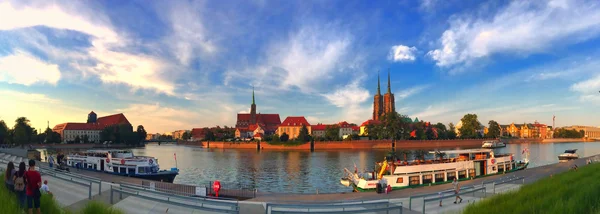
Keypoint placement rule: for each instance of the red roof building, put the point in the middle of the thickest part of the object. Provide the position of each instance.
(113, 119)
(270, 122)
(91, 129)
(292, 125)
(318, 130)
(198, 133)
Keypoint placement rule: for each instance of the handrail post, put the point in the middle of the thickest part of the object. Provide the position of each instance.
(120, 193)
(100, 188)
(423, 205)
(111, 194)
(409, 202)
(90, 191)
(494, 185)
(523, 180)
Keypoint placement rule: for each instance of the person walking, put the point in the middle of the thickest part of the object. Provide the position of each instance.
(456, 186)
(8, 176)
(19, 182)
(34, 183)
(50, 161)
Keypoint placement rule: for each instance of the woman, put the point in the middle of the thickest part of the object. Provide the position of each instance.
(8, 176)
(19, 184)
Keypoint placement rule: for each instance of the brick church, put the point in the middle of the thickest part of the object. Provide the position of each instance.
(249, 125)
(385, 104)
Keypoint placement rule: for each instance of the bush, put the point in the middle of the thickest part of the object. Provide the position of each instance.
(8, 201)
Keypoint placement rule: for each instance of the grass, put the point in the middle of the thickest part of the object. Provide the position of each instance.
(568, 192)
(48, 205)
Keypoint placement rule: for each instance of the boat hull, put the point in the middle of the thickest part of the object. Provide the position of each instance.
(168, 176)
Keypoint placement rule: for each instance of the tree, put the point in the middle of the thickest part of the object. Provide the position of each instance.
(429, 133)
(141, 134)
(186, 135)
(275, 138)
(470, 125)
(404, 154)
(493, 130)
(85, 139)
(77, 139)
(332, 132)
(451, 131)
(4, 133)
(303, 136)
(284, 137)
(441, 130)
(420, 155)
(22, 131)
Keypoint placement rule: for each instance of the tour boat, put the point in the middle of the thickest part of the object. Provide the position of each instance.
(492, 144)
(461, 164)
(121, 162)
(568, 155)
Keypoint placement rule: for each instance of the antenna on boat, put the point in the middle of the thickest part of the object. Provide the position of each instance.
(175, 156)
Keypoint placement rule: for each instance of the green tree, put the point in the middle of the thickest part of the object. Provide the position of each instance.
(451, 131)
(22, 131)
(77, 139)
(332, 132)
(303, 136)
(284, 137)
(85, 139)
(429, 133)
(493, 130)
(186, 135)
(470, 125)
(4, 133)
(275, 138)
(141, 134)
(441, 130)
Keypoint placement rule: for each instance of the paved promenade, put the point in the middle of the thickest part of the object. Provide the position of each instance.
(74, 197)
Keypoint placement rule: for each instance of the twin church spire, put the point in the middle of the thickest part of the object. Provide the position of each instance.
(385, 105)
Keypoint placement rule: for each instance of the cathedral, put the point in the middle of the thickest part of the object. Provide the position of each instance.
(385, 104)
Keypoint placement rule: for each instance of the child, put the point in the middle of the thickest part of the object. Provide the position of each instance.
(45, 188)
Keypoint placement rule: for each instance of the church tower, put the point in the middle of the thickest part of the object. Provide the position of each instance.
(389, 103)
(377, 102)
(253, 109)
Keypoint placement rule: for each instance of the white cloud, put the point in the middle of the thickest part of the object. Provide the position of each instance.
(401, 53)
(157, 118)
(589, 90)
(523, 27)
(28, 97)
(24, 69)
(112, 66)
(349, 98)
(410, 91)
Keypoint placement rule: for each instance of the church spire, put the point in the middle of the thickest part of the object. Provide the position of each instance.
(378, 85)
(389, 87)
(252, 94)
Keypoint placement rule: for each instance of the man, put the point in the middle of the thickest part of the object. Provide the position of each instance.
(456, 190)
(51, 161)
(34, 182)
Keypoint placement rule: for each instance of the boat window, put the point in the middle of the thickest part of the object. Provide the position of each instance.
(427, 179)
(500, 168)
(414, 180)
(462, 174)
(439, 177)
(122, 170)
(471, 173)
(131, 171)
(400, 180)
(116, 169)
(141, 169)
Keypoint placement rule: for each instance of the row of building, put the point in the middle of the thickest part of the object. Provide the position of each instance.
(92, 128)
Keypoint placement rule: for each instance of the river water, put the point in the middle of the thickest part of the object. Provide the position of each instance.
(302, 171)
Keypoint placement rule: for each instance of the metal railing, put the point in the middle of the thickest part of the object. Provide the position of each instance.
(441, 196)
(88, 184)
(159, 192)
(348, 207)
(410, 198)
(177, 189)
(55, 173)
(205, 204)
(238, 191)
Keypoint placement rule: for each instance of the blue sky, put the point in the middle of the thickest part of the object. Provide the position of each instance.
(173, 65)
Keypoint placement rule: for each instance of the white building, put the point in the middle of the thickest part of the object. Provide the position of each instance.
(345, 129)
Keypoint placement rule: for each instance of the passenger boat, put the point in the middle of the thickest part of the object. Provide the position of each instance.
(568, 155)
(492, 144)
(121, 162)
(460, 164)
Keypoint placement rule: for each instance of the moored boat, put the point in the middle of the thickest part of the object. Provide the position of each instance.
(460, 164)
(122, 162)
(492, 144)
(570, 154)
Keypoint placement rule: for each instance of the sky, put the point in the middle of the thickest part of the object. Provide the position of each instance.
(171, 65)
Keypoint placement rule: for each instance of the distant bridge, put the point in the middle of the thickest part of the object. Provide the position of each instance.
(160, 141)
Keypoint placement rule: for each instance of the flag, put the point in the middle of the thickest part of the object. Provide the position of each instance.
(175, 155)
(553, 117)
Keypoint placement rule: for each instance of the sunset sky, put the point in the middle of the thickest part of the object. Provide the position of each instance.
(172, 65)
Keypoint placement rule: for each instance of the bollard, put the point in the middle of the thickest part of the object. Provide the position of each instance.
(90, 191)
(494, 186)
(409, 202)
(111, 194)
(120, 192)
(100, 188)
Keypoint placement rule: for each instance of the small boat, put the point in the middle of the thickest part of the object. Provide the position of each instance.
(345, 181)
(460, 164)
(568, 155)
(492, 144)
(121, 162)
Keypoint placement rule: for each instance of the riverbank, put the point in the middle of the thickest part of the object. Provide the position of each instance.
(567, 192)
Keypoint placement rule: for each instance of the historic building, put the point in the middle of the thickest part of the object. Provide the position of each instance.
(318, 130)
(590, 131)
(385, 105)
(345, 129)
(292, 125)
(364, 125)
(91, 129)
(269, 122)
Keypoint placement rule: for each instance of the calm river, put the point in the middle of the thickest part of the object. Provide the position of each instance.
(305, 172)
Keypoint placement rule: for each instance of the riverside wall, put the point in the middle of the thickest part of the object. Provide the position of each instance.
(337, 145)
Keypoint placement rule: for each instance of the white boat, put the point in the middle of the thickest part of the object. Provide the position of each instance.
(568, 155)
(491, 144)
(460, 164)
(121, 162)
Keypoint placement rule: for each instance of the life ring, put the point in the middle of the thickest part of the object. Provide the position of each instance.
(107, 160)
(493, 161)
(122, 161)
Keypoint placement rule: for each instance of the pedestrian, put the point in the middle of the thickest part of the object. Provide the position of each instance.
(8, 176)
(19, 182)
(34, 183)
(456, 190)
(51, 161)
(45, 188)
